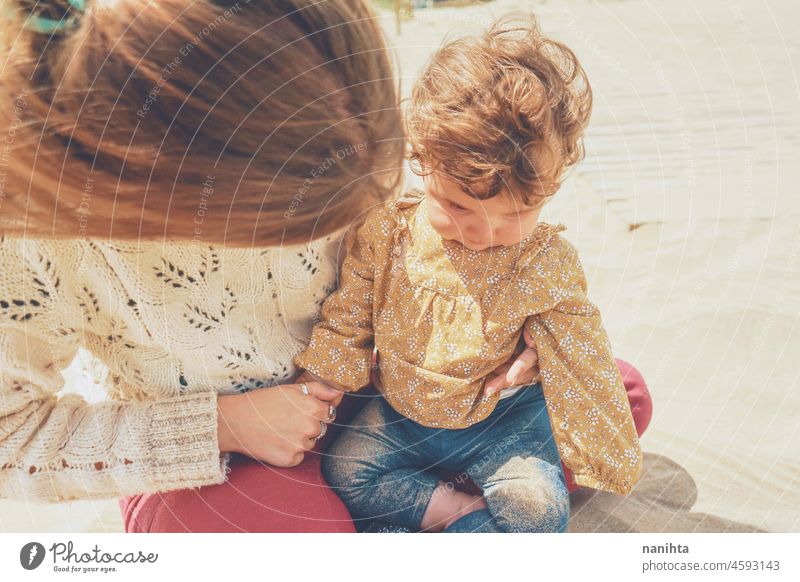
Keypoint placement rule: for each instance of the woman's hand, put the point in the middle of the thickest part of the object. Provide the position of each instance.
(518, 370)
(275, 425)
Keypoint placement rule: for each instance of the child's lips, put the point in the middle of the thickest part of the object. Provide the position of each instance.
(480, 246)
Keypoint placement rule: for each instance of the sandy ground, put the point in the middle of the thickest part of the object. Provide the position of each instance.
(687, 216)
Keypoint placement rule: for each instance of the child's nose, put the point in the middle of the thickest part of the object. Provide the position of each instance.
(483, 233)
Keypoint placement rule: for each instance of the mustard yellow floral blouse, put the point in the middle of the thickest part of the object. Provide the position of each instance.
(442, 317)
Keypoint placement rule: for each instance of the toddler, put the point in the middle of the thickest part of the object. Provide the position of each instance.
(442, 282)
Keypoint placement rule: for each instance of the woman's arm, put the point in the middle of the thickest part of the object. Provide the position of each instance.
(58, 447)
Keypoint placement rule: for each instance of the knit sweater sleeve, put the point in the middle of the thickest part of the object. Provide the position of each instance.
(583, 388)
(57, 447)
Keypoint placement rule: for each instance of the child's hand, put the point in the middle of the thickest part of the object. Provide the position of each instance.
(334, 396)
(518, 370)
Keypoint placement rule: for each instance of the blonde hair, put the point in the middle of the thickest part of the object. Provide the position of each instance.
(261, 123)
(502, 110)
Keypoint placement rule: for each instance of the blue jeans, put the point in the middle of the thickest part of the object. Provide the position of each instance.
(380, 466)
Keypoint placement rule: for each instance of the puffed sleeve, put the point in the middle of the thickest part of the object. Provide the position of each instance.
(341, 343)
(586, 399)
(58, 447)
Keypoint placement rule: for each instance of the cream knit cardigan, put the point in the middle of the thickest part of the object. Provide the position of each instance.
(175, 323)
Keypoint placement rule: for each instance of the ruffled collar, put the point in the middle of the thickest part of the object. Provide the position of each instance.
(526, 248)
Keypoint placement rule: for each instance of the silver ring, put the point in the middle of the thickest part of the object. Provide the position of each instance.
(304, 388)
(331, 412)
(323, 430)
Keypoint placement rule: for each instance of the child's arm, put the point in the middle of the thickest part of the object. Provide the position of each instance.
(586, 398)
(340, 350)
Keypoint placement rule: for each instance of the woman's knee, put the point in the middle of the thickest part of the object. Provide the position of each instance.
(638, 395)
(256, 498)
(529, 495)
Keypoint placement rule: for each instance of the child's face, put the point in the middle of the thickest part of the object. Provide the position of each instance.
(476, 224)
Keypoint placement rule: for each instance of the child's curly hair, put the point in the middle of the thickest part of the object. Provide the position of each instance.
(503, 109)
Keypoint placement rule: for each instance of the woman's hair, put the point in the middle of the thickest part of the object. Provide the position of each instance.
(501, 111)
(245, 123)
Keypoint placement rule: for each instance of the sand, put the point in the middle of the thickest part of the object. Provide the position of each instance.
(687, 216)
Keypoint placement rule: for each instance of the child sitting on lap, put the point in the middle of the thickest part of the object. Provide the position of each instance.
(442, 283)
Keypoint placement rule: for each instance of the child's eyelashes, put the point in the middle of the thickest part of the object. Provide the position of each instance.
(462, 210)
(458, 208)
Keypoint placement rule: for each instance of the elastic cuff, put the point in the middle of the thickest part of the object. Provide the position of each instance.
(353, 374)
(595, 483)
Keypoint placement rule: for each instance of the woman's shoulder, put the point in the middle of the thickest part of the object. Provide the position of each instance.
(35, 281)
(60, 259)
(15, 245)
(23, 259)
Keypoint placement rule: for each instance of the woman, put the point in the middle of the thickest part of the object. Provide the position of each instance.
(177, 178)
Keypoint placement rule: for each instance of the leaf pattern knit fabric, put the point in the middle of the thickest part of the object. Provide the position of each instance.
(176, 324)
(442, 317)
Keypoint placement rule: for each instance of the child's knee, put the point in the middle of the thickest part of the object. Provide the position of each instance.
(338, 469)
(529, 495)
(330, 470)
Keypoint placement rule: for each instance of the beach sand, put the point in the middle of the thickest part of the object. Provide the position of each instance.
(687, 217)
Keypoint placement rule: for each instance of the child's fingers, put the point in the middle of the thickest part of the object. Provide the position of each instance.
(513, 374)
(491, 387)
(529, 340)
(520, 371)
(498, 382)
(524, 362)
(322, 391)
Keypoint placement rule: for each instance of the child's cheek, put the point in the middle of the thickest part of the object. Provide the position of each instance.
(442, 223)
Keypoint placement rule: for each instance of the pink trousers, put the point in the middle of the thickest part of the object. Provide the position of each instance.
(262, 498)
